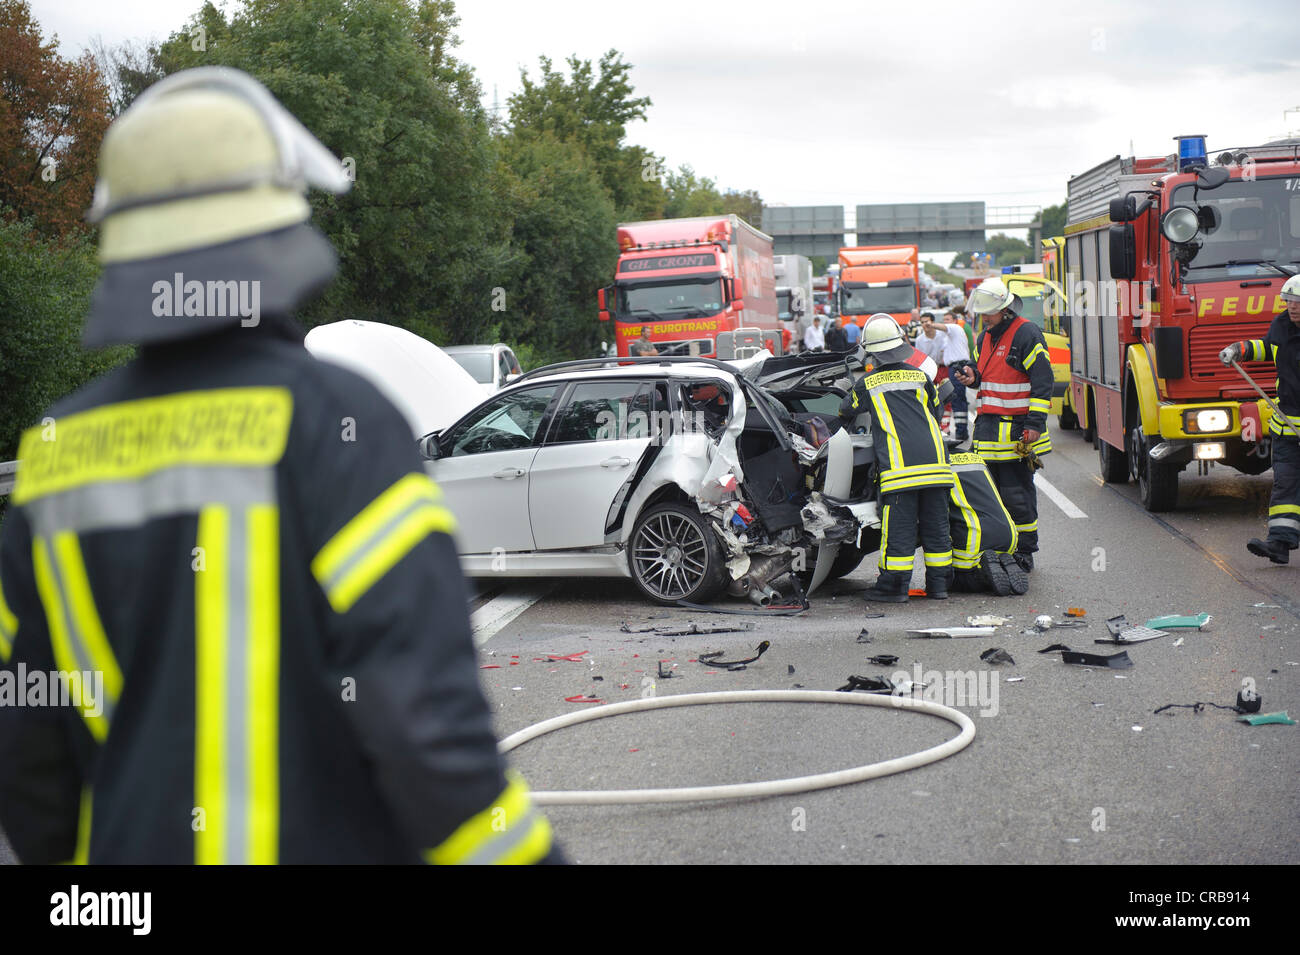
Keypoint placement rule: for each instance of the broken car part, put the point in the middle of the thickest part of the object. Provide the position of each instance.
(1117, 625)
(711, 659)
(952, 632)
(1173, 621)
(1134, 635)
(1117, 661)
(883, 659)
(872, 684)
(1260, 719)
(996, 655)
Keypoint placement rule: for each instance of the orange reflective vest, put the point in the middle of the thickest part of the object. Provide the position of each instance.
(1003, 389)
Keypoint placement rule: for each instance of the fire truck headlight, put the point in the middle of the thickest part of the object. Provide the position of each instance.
(1207, 421)
(1209, 450)
(1179, 224)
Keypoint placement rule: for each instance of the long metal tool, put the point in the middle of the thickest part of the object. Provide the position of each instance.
(1276, 410)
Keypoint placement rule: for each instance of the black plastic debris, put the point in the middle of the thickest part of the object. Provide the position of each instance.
(872, 684)
(773, 610)
(598, 678)
(864, 636)
(873, 616)
(1249, 701)
(665, 674)
(711, 659)
(1054, 648)
(1116, 661)
(1199, 707)
(996, 655)
(789, 669)
(883, 659)
(693, 630)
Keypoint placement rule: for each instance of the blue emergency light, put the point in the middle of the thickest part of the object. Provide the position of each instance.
(1191, 151)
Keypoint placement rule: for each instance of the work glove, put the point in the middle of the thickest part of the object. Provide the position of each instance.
(1231, 353)
(1030, 436)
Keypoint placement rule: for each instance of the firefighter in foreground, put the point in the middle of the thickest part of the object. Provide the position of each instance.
(911, 462)
(239, 541)
(1013, 378)
(1280, 345)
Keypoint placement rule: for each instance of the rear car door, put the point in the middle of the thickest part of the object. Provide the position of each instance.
(485, 465)
(594, 446)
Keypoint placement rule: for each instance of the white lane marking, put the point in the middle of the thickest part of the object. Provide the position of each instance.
(499, 612)
(1059, 499)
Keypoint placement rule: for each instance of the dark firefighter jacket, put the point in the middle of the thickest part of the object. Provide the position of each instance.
(908, 443)
(976, 514)
(241, 540)
(1017, 371)
(1281, 346)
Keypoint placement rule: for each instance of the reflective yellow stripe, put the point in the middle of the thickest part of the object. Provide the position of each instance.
(237, 673)
(1283, 509)
(127, 440)
(510, 832)
(1026, 528)
(1032, 357)
(935, 435)
(897, 563)
(82, 854)
(967, 555)
(91, 629)
(1040, 404)
(369, 545)
(892, 445)
(263, 723)
(8, 628)
(210, 679)
(76, 634)
(939, 560)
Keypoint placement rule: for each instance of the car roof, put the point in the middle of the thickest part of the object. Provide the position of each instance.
(622, 368)
(464, 349)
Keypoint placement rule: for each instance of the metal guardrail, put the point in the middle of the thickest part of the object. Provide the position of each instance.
(7, 471)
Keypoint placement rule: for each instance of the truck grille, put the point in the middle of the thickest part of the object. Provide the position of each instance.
(1203, 347)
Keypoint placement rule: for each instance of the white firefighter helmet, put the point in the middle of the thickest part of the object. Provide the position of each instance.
(205, 175)
(991, 295)
(883, 341)
(1291, 289)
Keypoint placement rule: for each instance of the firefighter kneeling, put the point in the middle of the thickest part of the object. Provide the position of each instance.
(984, 537)
(1014, 381)
(912, 465)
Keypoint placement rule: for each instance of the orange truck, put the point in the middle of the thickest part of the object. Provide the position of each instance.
(691, 280)
(879, 279)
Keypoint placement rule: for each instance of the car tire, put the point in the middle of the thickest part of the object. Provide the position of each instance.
(675, 555)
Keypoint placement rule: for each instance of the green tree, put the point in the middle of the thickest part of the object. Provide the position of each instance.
(593, 107)
(45, 289)
(690, 195)
(1053, 220)
(420, 241)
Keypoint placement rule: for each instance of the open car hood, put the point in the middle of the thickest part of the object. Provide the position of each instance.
(417, 376)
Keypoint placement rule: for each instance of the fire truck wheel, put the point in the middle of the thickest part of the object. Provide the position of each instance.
(1067, 420)
(1157, 481)
(1114, 463)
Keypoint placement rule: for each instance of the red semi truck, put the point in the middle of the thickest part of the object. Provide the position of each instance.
(879, 279)
(691, 280)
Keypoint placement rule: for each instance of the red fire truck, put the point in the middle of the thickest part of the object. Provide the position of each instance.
(1168, 260)
(690, 280)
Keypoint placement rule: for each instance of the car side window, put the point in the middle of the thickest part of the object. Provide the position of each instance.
(607, 411)
(503, 367)
(505, 423)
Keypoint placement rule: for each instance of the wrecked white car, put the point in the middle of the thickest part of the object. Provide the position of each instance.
(691, 476)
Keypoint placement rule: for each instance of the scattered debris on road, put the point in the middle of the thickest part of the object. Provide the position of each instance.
(987, 620)
(883, 659)
(1134, 635)
(711, 659)
(872, 684)
(1117, 661)
(1260, 719)
(996, 655)
(693, 630)
(952, 632)
(864, 636)
(1175, 622)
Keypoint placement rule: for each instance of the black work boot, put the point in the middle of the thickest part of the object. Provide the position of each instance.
(1025, 560)
(1016, 575)
(995, 575)
(890, 587)
(1275, 550)
(937, 582)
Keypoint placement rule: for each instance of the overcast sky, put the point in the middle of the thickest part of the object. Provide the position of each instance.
(841, 103)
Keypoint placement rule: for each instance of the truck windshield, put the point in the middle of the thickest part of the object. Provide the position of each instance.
(673, 299)
(1255, 230)
(890, 299)
(1031, 307)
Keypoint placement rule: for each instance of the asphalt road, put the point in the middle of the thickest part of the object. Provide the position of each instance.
(1069, 764)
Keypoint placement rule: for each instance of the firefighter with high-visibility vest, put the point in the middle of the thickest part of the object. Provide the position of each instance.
(912, 463)
(1280, 345)
(983, 535)
(1013, 378)
(229, 552)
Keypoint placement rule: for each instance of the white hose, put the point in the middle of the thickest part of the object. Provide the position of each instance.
(776, 787)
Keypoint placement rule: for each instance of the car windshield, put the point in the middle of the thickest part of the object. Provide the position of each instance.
(1254, 229)
(1031, 306)
(477, 363)
(783, 305)
(862, 300)
(675, 299)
